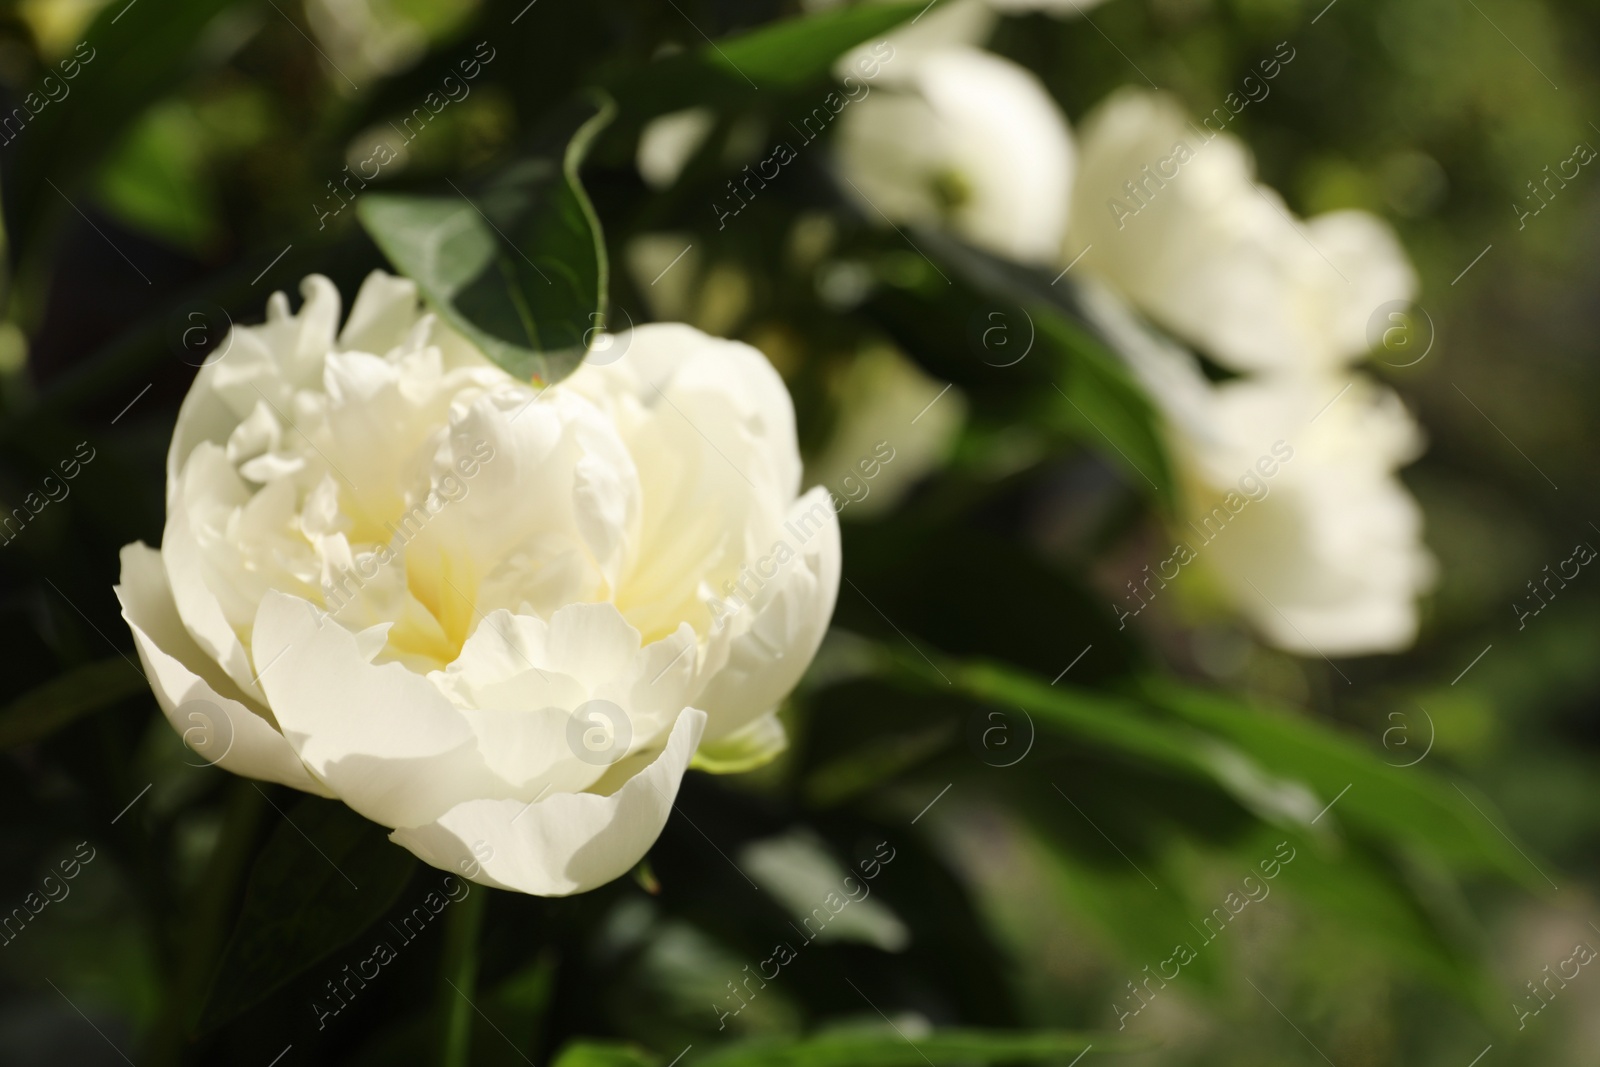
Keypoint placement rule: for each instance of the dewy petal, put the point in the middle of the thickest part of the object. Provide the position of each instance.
(188, 685)
(777, 636)
(388, 742)
(566, 843)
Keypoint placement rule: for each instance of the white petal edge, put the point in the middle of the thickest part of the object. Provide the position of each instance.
(564, 844)
(777, 640)
(248, 745)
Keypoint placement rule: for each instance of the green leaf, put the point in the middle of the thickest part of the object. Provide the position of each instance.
(47, 708)
(888, 1048)
(157, 179)
(1282, 767)
(778, 57)
(136, 55)
(799, 50)
(1407, 804)
(603, 1054)
(520, 268)
(1103, 405)
(325, 875)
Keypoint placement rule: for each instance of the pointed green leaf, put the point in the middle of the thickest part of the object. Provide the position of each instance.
(519, 266)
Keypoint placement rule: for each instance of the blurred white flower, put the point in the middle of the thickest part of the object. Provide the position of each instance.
(1290, 503)
(1173, 218)
(895, 426)
(668, 143)
(970, 141)
(480, 613)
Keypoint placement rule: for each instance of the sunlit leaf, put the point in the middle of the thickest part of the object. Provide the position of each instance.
(518, 266)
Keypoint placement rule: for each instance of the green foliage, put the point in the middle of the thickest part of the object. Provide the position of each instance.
(323, 877)
(889, 1048)
(1144, 772)
(47, 708)
(520, 268)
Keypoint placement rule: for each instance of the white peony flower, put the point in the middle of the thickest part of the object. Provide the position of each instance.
(1173, 218)
(969, 140)
(1290, 501)
(498, 619)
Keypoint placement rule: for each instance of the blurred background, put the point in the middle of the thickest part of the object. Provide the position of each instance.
(1047, 855)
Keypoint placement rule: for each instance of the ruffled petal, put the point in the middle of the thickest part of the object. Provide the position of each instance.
(566, 843)
(188, 685)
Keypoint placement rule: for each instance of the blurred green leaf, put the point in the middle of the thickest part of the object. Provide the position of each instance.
(324, 876)
(795, 51)
(135, 56)
(604, 1054)
(156, 180)
(1402, 804)
(784, 55)
(47, 708)
(890, 1048)
(1105, 408)
(1282, 767)
(521, 269)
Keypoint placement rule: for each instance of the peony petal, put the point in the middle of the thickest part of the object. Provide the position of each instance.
(566, 843)
(778, 635)
(189, 685)
(382, 316)
(208, 480)
(388, 742)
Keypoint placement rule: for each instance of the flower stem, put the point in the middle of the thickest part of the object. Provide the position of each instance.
(458, 977)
